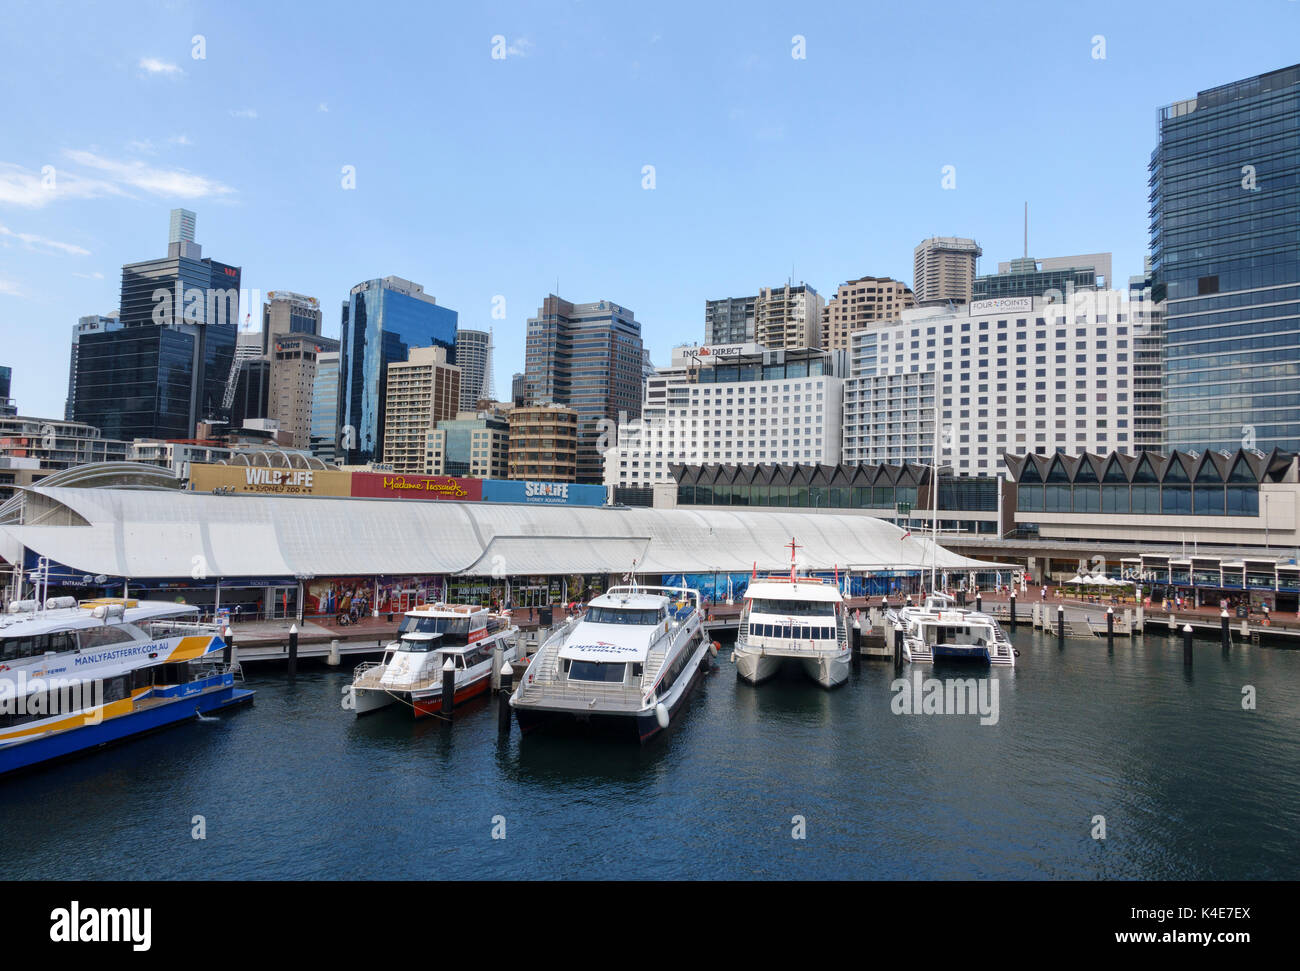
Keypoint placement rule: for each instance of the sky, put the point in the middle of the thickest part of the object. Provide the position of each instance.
(493, 181)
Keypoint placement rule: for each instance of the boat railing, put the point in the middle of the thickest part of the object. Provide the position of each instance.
(365, 672)
(180, 628)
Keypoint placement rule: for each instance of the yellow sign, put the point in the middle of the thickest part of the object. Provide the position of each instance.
(274, 482)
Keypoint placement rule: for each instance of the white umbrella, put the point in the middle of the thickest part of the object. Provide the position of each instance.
(1075, 579)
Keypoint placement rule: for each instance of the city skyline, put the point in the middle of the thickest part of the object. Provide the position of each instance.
(463, 223)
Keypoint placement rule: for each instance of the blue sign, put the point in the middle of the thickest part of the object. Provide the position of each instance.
(543, 493)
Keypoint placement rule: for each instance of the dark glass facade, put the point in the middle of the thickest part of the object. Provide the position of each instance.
(166, 368)
(380, 325)
(1033, 284)
(1225, 245)
(589, 357)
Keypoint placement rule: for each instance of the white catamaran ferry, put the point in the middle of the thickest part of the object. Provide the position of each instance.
(76, 676)
(793, 617)
(626, 664)
(428, 637)
(940, 629)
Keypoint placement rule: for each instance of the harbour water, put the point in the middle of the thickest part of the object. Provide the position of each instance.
(1191, 785)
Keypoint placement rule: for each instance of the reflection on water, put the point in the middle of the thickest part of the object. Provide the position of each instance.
(1191, 784)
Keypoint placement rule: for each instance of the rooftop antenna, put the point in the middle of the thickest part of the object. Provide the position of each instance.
(1026, 229)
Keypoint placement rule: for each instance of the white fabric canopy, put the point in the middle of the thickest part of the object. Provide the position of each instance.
(170, 533)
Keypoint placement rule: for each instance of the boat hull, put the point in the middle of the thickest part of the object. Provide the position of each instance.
(640, 725)
(754, 667)
(828, 670)
(76, 741)
(429, 703)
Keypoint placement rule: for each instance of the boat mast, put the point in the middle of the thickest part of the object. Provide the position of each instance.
(934, 494)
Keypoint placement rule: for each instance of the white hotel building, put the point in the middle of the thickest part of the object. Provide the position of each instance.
(733, 404)
(1014, 374)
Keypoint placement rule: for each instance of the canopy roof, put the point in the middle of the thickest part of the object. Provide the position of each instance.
(135, 533)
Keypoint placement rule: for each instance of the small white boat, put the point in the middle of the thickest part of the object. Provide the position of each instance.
(428, 638)
(940, 629)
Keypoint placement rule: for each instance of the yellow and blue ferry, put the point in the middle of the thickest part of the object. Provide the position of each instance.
(76, 676)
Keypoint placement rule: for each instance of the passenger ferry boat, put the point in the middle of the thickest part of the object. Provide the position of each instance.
(793, 617)
(79, 675)
(940, 629)
(627, 664)
(428, 637)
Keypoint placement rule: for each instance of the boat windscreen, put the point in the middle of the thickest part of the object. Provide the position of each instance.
(434, 625)
(623, 615)
(602, 671)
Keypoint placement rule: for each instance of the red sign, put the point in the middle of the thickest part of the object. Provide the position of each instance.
(389, 485)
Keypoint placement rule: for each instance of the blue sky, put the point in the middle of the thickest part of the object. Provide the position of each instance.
(480, 177)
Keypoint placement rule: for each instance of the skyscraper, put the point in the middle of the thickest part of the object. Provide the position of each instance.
(474, 358)
(858, 303)
(730, 320)
(788, 316)
(419, 393)
(90, 324)
(1031, 277)
(382, 321)
(943, 269)
(325, 407)
(586, 356)
(166, 368)
(1225, 258)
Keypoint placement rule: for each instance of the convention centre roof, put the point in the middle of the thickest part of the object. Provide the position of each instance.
(169, 533)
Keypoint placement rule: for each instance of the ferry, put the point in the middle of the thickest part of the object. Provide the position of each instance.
(78, 675)
(625, 665)
(940, 629)
(429, 637)
(793, 618)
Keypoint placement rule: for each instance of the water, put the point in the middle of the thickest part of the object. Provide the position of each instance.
(1191, 785)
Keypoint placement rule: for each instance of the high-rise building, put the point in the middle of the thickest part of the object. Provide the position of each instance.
(166, 368)
(382, 321)
(790, 400)
(543, 443)
(294, 359)
(730, 320)
(586, 356)
(474, 358)
(1031, 277)
(288, 313)
(859, 303)
(475, 444)
(7, 406)
(181, 228)
(420, 392)
(90, 324)
(1024, 376)
(788, 316)
(1148, 369)
(943, 270)
(32, 448)
(325, 407)
(518, 390)
(1225, 259)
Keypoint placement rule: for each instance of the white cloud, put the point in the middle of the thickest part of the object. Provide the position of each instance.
(177, 183)
(180, 140)
(243, 113)
(34, 242)
(151, 65)
(32, 190)
(323, 107)
(520, 47)
(10, 289)
(90, 276)
(142, 145)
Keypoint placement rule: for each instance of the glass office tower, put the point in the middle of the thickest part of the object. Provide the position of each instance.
(1225, 245)
(382, 321)
(325, 407)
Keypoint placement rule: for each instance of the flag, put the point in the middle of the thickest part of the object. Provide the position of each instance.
(906, 535)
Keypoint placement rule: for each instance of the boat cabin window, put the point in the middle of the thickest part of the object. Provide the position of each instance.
(102, 636)
(793, 608)
(792, 633)
(605, 672)
(641, 617)
(418, 647)
(434, 625)
(16, 648)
